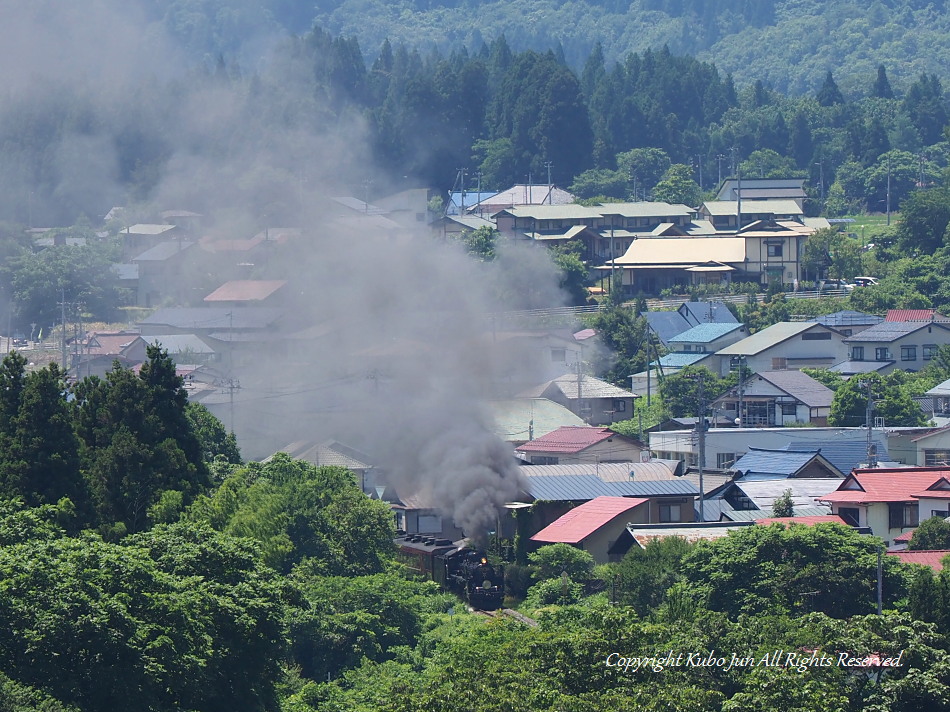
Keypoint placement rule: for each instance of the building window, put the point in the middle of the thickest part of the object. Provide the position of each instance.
(775, 250)
(817, 336)
(851, 515)
(930, 350)
(724, 459)
(942, 513)
(620, 405)
(789, 409)
(543, 460)
(857, 353)
(936, 458)
(669, 513)
(908, 353)
(881, 353)
(900, 515)
(559, 355)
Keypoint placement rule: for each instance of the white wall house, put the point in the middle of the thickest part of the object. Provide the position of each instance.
(787, 345)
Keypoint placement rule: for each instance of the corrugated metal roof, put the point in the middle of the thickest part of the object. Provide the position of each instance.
(568, 439)
(847, 317)
(572, 211)
(646, 209)
(590, 387)
(574, 488)
(778, 463)
(800, 386)
(245, 290)
(888, 331)
(941, 389)
(644, 534)
(214, 317)
(516, 418)
(892, 485)
(585, 519)
(758, 207)
(652, 471)
(683, 251)
(808, 521)
(932, 558)
(806, 492)
(914, 315)
(705, 333)
(147, 229)
(769, 337)
(163, 251)
(177, 344)
(851, 368)
(846, 455)
(666, 324)
(679, 360)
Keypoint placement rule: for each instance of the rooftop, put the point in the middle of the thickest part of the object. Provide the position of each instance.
(914, 315)
(847, 317)
(768, 337)
(682, 251)
(576, 488)
(888, 485)
(585, 519)
(705, 333)
(570, 439)
(785, 463)
(518, 418)
(932, 558)
(643, 534)
(800, 386)
(567, 384)
(757, 207)
(245, 290)
(808, 521)
(887, 331)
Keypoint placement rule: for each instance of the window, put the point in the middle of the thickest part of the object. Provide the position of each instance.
(908, 353)
(881, 353)
(724, 459)
(789, 409)
(430, 524)
(559, 355)
(936, 458)
(942, 513)
(620, 405)
(900, 515)
(930, 350)
(669, 513)
(775, 250)
(817, 336)
(542, 460)
(851, 515)
(857, 353)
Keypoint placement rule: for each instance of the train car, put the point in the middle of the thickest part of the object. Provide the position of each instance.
(455, 568)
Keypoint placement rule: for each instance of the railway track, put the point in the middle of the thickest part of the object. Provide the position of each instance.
(509, 613)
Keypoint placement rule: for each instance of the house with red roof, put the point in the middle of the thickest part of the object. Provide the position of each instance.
(914, 315)
(597, 526)
(580, 444)
(243, 292)
(932, 558)
(891, 501)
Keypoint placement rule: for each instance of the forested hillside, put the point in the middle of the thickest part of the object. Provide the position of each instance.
(761, 39)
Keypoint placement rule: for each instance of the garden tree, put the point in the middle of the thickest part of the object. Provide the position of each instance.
(644, 417)
(214, 439)
(296, 512)
(829, 94)
(552, 560)
(600, 181)
(680, 391)
(177, 618)
(625, 335)
(677, 186)
(767, 163)
(932, 534)
(829, 379)
(644, 575)
(891, 397)
(136, 440)
(574, 275)
(780, 568)
(481, 243)
(40, 280)
(783, 506)
(829, 253)
(343, 621)
(928, 598)
(925, 215)
(643, 167)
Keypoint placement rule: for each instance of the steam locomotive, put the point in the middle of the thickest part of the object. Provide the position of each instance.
(455, 568)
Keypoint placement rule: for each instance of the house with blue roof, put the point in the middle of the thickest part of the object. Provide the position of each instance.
(708, 338)
(668, 324)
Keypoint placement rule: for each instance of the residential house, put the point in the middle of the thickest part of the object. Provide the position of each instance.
(140, 237)
(760, 463)
(455, 227)
(667, 324)
(533, 356)
(763, 189)
(522, 194)
(848, 321)
(215, 322)
(915, 315)
(643, 534)
(845, 448)
(160, 270)
(186, 221)
(742, 500)
(907, 345)
(409, 208)
(787, 345)
(555, 495)
(891, 501)
(771, 398)
(594, 400)
(247, 292)
(932, 558)
(96, 354)
(723, 213)
(583, 444)
(596, 526)
(332, 453)
(708, 338)
(932, 449)
(462, 203)
(941, 399)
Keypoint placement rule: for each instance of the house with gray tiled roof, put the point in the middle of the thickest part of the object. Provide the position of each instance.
(848, 321)
(907, 345)
(594, 400)
(771, 398)
(783, 346)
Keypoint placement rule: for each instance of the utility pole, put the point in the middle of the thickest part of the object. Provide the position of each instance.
(821, 181)
(888, 190)
(880, 581)
(740, 421)
(701, 426)
(719, 159)
(62, 341)
(548, 164)
(699, 162)
(871, 447)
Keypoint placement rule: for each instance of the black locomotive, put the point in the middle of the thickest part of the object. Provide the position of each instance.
(455, 568)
